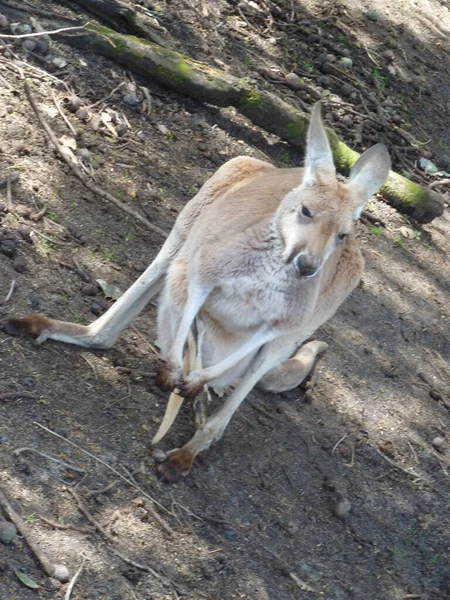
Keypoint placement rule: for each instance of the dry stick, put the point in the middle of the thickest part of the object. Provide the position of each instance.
(89, 517)
(66, 526)
(50, 568)
(74, 580)
(150, 509)
(52, 137)
(105, 464)
(65, 119)
(11, 290)
(108, 96)
(14, 395)
(109, 537)
(91, 364)
(40, 33)
(9, 202)
(48, 457)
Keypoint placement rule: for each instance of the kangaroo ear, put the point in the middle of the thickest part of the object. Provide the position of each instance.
(318, 158)
(368, 174)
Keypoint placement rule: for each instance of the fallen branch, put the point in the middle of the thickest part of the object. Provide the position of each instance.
(48, 457)
(103, 194)
(208, 84)
(55, 570)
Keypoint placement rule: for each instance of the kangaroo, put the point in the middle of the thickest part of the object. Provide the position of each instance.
(255, 263)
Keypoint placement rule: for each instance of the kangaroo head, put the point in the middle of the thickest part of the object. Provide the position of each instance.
(315, 217)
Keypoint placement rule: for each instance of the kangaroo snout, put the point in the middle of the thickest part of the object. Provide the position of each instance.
(305, 266)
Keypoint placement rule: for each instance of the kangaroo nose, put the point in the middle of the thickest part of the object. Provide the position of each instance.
(304, 266)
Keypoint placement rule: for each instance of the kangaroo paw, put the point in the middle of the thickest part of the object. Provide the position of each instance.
(177, 465)
(31, 326)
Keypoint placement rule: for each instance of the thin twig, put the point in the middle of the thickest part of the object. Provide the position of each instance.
(85, 357)
(40, 33)
(66, 526)
(48, 457)
(9, 202)
(395, 464)
(74, 580)
(49, 567)
(139, 565)
(102, 193)
(16, 395)
(11, 290)
(65, 119)
(50, 239)
(105, 464)
(335, 447)
(107, 97)
(89, 517)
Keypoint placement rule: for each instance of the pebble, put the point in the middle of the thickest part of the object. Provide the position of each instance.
(74, 103)
(326, 68)
(61, 573)
(388, 55)
(25, 233)
(331, 58)
(59, 62)
(33, 301)
(346, 62)
(22, 210)
(99, 306)
(42, 46)
(346, 89)
(230, 534)
(21, 28)
(29, 45)
(372, 15)
(344, 52)
(3, 21)
(81, 114)
(131, 100)
(291, 527)
(438, 443)
(8, 532)
(444, 161)
(90, 289)
(396, 119)
(347, 121)
(29, 383)
(342, 508)
(85, 155)
(293, 81)
(20, 264)
(8, 248)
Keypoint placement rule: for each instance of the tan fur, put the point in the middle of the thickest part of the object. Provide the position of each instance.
(255, 263)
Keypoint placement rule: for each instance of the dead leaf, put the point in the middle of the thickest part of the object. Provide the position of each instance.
(109, 289)
(26, 580)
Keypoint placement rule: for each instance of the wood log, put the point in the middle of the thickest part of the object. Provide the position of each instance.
(263, 108)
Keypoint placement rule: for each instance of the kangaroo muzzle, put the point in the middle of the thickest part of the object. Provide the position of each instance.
(305, 266)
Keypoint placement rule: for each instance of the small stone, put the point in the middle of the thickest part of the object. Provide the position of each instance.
(131, 100)
(140, 136)
(342, 508)
(346, 62)
(18, 146)
(96, 309)
(21, 28)
(20, 264)
(388, 55)
(81, 114)
(90, 289)
(230, 534)
(3, 22)
(372, 15)
(61, 573)
(25, 233)
(326, 68)
(59, 62)
(8, 532)
(33, 301)
(293, 81)
(74, 103)
(85, 155)
(29, 45)
(291, 527)
(29, 383)
(347, 121)
(331, 58)
(42, 46)
(396, 119)
(346, 90)
(344, 52)
(53, 584)
(438, 443)
(8, 248)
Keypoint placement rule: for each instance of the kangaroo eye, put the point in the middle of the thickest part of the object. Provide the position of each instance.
(306, 212)
(342, 236)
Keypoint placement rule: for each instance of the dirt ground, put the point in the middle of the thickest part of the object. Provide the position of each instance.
(256, 518)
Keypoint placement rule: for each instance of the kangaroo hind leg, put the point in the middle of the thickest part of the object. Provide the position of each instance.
(291, 373)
